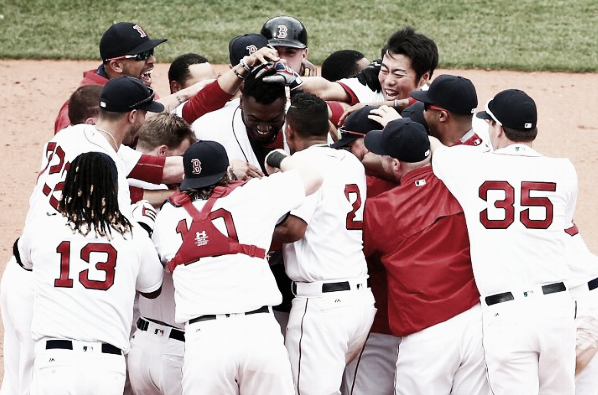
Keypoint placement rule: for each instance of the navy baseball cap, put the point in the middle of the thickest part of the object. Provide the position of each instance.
(402, 139)
(416, 113)
(357, 125)
(126, 38)
(453, 93)
(511, 108)
(123, 94)
(245, 45)
(205, 163)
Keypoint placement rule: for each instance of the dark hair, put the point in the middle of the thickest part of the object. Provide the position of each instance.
(90, 196)
(518, 136)
(263, 92)
(168, 129)
(422, 51)
(205, 192)
(179, 68)
(308, 115)
(341, 64)
(84, 103)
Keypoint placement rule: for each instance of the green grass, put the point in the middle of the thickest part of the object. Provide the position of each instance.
(555, 35)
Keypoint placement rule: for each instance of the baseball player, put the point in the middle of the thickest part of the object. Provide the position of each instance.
(188, 69)
(449, 105)
(289, 36)
(123, 105)
(582, 285)
(87, 260)
(155, 360)
(215, 245)
(333, 308)
(372, 372)
(433, 301)
(408, 62)
(344, 63)
(125, 49)
(517, 204)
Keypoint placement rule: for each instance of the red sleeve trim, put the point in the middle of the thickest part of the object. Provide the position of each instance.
(337, 110)
(150, 168)
(572, 231)
(354, 99)
(210, 98)
(136, 194)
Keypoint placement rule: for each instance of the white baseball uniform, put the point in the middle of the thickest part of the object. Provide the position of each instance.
(56, 155)
(232, 341)
(83, 305)
(155, 360)
(226, 127)
(334, 307)
(583, 284)
(517, 204)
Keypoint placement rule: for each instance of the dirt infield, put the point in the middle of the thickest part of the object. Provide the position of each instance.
(31, 93)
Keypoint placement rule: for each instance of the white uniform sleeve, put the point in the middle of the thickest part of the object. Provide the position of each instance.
(151, 271)
(363, 93)
(23, 245)
(130, 158)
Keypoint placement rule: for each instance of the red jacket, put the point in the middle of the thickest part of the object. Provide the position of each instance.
(418, 231)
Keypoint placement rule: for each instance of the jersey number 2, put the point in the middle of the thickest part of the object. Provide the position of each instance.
(108, 266)
(352, 223)
(507, 204)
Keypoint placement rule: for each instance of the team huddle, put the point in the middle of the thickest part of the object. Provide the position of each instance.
(271, 231)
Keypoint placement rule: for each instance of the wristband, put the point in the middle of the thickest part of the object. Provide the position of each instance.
(239, 76)
(274, 159)
(245, 65)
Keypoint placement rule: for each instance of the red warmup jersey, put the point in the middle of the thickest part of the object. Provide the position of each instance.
(376, 270)
(425, 249)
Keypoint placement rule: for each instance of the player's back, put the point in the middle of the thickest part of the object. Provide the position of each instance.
(57, 155)
(85, 285)
(517, 204)
(332, 245)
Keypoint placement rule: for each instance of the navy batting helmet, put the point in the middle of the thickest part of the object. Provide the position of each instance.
(285, 31)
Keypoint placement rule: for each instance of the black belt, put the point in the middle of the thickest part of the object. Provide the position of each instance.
(176, 334)
(333, 287)
(546, 289)
(263, 309)
(68, 345)
(593, 284)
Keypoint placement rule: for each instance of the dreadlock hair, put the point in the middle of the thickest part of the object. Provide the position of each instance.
(89, 197)
(205, 192)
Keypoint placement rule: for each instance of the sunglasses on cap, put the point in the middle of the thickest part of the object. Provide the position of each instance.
(146, 100)
(433, 107)
(140, 56)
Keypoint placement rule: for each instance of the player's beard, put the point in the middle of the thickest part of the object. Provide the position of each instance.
(133, 135)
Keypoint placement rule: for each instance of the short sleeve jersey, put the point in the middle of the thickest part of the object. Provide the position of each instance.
(517, 204)
(230, 283)
(57, 155)
(332, 247)
(85, 285)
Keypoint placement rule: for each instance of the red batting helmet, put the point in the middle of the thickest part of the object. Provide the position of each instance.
(285, 31)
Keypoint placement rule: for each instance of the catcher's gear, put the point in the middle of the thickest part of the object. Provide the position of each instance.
(285, 31)
(369, 75)
(145, 215)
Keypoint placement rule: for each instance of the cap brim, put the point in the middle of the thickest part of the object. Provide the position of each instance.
(421, 96)
(483, 115)
(343, 142)
(373, 142)
(146, 46)
(195, 183)
(152, 106)
(286, 43)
